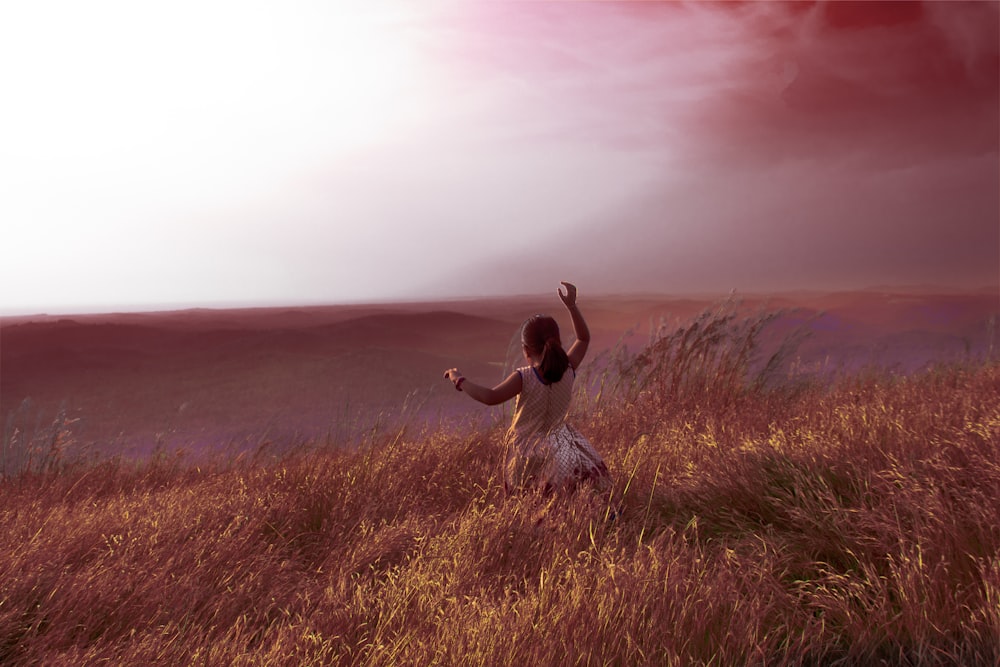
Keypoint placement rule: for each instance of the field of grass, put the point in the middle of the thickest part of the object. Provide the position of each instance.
(755, 523)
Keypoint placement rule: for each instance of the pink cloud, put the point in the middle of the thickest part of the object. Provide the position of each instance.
(803, 144)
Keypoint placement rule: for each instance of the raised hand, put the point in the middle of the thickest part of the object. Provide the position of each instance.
(569, 298)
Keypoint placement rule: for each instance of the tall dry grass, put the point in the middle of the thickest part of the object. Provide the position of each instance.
(759, 525)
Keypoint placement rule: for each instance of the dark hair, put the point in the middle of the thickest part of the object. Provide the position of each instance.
(540, 334)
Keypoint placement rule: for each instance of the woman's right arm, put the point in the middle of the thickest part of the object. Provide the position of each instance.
(578, 350)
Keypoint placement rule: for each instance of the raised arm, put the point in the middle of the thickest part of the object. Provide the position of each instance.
(578, 350)
(501, 393)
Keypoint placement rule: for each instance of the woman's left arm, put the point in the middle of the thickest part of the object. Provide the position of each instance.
(501, 393)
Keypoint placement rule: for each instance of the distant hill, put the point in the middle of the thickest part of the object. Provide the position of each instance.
(214, 376)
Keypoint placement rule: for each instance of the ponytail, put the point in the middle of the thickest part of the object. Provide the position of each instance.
(540, 334)
(554, 361)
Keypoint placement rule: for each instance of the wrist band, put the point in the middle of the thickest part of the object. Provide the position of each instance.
(458, 383)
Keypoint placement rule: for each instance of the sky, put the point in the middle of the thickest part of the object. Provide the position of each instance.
(212, 153)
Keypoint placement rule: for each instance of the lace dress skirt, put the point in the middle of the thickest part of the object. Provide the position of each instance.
(561, 460)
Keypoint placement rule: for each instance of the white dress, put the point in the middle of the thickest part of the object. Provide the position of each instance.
(542, 450)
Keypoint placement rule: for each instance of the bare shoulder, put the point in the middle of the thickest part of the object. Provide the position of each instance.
(576, 353)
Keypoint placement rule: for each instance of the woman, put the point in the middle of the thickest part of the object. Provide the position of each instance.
(543, 452)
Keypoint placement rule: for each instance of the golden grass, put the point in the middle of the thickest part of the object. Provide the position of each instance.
(851, 525)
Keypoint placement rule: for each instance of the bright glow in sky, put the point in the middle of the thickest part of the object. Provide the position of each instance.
(197, 153)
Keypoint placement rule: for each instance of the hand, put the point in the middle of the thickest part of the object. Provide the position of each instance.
(569, 298)
(452, 374)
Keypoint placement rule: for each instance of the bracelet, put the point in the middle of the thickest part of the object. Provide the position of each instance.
(458, 383)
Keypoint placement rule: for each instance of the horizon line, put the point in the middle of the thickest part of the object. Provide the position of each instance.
(219, 306)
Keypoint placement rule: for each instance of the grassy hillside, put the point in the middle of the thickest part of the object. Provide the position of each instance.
(760, 524)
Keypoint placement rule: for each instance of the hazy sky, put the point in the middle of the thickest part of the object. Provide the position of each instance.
(184, 153)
